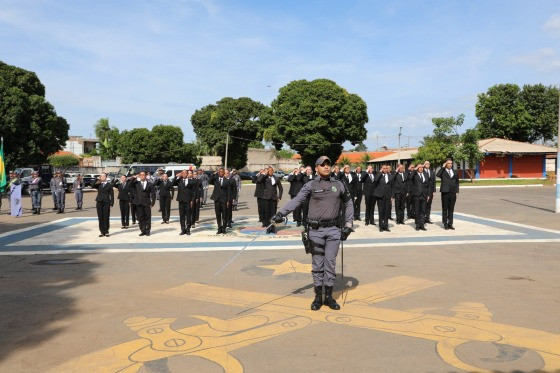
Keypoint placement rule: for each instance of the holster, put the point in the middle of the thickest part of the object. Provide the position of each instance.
(307, 243)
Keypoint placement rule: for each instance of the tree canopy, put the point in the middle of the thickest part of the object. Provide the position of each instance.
(108, 139)
(163, 144)
(316, 117)
(31, 128)
(443, 143)
(523, 114)
(63, 161)
(240, 117)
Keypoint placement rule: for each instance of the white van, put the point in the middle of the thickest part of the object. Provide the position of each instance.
(173, 169)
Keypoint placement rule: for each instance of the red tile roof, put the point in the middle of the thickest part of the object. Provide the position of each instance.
(357, 157)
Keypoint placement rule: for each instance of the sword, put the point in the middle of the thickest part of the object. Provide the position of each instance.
(246, 246)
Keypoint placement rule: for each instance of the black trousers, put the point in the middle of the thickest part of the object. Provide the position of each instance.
(447, 207)
(270, 206)
(229, 214)
(185, 215)
(103, 212)
(196, 213)
(125, 212)
(144, 215)
(370, 209)
(429, 207)
(400, 202)
(420, 204)
(297, 212)
(409, 206)
(260, 206)
(384, 205)
(165, 207)
(133, 212)
(221, 213)
(357, 204)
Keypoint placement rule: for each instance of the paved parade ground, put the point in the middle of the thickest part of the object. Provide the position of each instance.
(485, 297)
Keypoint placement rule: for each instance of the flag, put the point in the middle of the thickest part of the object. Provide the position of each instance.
(3, 178)
(15, 200)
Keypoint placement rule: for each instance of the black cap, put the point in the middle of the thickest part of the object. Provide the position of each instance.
(322, 159)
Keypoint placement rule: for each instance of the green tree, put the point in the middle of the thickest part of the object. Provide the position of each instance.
(108, 139)
(365, 158)
(63, 161)
(442, 144)
(31, 128)
(163, 144)
(238, 117)
(469, 151)
(343, 161)
(361, 147)
(509, 112)
(316, 117)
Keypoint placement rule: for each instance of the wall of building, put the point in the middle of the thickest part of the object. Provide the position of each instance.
(493, 167)
(528, 166)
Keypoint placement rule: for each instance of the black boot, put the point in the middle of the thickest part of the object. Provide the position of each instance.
(39, 211)
(33, 211)
(329, 301)
(318, 301)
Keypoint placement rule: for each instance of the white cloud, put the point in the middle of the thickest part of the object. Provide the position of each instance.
(552, 26)
(543, 60)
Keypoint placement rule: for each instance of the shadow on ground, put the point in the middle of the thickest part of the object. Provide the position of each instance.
(35, 303)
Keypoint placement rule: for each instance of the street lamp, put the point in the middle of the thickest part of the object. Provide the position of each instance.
(399, 153)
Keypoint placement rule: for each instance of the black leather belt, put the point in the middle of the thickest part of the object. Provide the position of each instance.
(322, 224)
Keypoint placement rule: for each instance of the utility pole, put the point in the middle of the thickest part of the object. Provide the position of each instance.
(399, 154)
(558, 161)
(227, 145)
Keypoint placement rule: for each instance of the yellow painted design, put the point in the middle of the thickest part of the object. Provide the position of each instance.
(289, 266)
(265, 316)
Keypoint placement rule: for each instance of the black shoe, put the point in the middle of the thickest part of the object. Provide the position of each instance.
(133, 222)
(417, 228)
(77, 208)
(263, 225)
(54, 209)
(387, 230)
(106, 234)
(446, 227)
(182, 233)
(367, 222)
(318, 301)
(329, 301)
(123, 227)
(158, 210)
(423, 228)
(101, 235)
(188, 232)
(380, 229)
(451, 227)
(38, 211)
(298, 224)
(142, 234)
(148, 234)
(429, 221)
(163, 222)
(271, 229)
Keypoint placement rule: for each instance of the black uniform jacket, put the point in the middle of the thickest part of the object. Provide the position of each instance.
(419, 188)
(123, 190)
(141, 196)
(369, 184)
(221, 192)
(448, 184)
(432, 180)
(351, 185)
(166, 188)
(259, 188)
(104, 193)
(383, 189)
(400, 183)
(296, 183)
(270, 191)
(186, 193)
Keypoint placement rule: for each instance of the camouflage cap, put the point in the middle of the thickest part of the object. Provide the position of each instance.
(322, 159)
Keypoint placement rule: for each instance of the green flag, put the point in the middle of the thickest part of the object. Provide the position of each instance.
(3, 180)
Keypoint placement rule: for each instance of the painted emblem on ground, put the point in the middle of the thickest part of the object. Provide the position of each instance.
(469, 340)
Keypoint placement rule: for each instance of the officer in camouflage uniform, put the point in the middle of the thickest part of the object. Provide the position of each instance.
(326, 196)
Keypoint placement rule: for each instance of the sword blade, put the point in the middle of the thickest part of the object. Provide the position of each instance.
(240, 251)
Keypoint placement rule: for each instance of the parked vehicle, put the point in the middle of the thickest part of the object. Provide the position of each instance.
(245, 175)
(69, 178)
(89, 179)
(281, 174)
(45, 173)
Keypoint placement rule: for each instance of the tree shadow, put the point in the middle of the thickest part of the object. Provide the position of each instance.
(35, 297)
(526, 205)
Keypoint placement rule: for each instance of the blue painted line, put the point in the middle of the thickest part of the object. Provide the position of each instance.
(526, 234)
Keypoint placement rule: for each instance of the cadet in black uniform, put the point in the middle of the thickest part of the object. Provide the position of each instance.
(166, 193)
(123, 188)
(187, 192)
(421, 193)
(384, 196)
(104, 201)
(400, 187)
(296, 183)
(325, 195)
(221, 197)
(144, 197)
(272, 194)
(259, 188)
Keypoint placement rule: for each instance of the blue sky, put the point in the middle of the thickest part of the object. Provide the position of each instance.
(143, 63)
